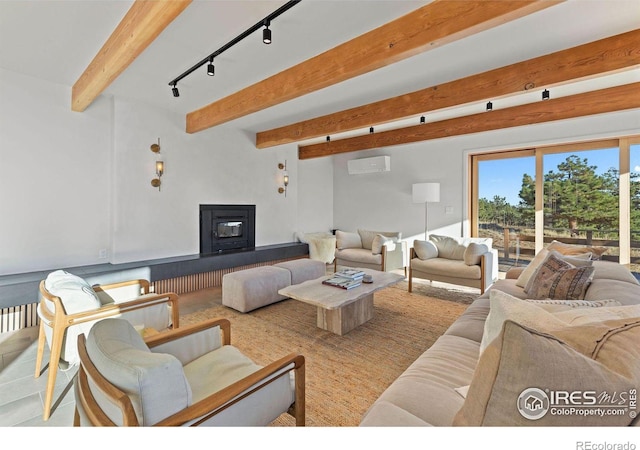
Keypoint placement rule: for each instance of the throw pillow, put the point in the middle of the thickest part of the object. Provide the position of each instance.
(344, 239)
(572, 249)
(549, 266)
(570, 284)
(503, 307)
(367, 237)
(528, 272)
(425, 249)
(448, 247)
(379, 241)
(563, 305)
(473, 252)
(74, 292)
(524, 365)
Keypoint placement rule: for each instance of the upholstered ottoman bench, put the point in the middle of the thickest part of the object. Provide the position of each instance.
(249, 289)
(246, 290)
(303, 269)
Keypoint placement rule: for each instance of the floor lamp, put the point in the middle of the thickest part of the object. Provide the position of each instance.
(426, 193)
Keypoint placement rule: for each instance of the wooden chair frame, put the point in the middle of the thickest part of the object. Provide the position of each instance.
(59, 321)
(200, 411)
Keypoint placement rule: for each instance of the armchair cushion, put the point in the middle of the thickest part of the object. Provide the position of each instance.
(425, 249)
(359, 256)
(155, 382)
(345, 239)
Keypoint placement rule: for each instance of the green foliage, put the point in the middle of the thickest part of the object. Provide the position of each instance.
(575, 197)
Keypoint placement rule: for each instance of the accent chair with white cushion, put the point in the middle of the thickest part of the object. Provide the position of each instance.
(468, 262)
(378, 250)
(69, 306)
(186, 377)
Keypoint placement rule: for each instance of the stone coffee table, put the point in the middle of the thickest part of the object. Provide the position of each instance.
(341, 310)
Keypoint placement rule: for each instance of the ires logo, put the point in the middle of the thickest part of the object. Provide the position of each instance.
(535, 403)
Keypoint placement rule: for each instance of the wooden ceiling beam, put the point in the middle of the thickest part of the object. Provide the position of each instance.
(596, 58)
(144, 21)
(435, 24)
(612, 99)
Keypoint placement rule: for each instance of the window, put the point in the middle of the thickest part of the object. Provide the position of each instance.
(583, 193)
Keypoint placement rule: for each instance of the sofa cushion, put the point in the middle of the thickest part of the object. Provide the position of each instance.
(345, 239)
(447, 267)
(506, 307)
(500, 387)
(426, 390)
(470, 324)
(609, 270)
(573, 249)
(425, 249)
(367, 237)
(379, 241)
(473, 252)
(625, 293)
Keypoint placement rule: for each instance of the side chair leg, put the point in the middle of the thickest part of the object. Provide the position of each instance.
(54, 359)
(41, 342)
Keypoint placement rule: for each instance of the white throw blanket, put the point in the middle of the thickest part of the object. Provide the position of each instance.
(322, 245)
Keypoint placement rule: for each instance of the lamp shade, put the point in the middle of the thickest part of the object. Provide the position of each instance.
(426, 192)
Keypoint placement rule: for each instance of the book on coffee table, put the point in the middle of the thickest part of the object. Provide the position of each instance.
(353, 274)
(342, 282)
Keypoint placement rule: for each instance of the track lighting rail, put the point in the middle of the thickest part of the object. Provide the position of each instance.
(209, 59)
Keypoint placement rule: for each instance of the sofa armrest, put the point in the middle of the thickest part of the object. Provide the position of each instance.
(191, 342)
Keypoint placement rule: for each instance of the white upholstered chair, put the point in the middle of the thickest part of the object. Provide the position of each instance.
(69, 306)
(186, 377)
(378, 250)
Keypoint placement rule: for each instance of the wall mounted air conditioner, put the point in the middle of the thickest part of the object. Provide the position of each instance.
(369, 165)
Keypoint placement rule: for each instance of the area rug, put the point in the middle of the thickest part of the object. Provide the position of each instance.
(344, 374)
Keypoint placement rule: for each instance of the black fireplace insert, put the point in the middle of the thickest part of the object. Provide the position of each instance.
(227, 227)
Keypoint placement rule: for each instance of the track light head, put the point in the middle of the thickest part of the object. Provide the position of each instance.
(545, 95)
(266, 33)
(211, 70)
(422, 119)
(489, 106)
(175, 91)
(370, 129)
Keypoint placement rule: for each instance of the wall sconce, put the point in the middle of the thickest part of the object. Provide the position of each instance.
(285, 178)
(155, 148)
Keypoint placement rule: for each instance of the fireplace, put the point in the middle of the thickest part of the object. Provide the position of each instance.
(227, 227)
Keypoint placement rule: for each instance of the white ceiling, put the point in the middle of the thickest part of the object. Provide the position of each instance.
(56, 40)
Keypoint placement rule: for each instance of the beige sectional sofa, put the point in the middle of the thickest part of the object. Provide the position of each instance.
(525, 344)
(471, 262)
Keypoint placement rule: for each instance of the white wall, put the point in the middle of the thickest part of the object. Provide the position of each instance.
(72, 184)
(383, 201)
(54, 176)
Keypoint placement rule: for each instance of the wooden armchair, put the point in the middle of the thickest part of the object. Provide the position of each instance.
(69, 306)
(186, 377)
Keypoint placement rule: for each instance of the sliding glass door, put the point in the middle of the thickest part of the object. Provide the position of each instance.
(583, 193)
